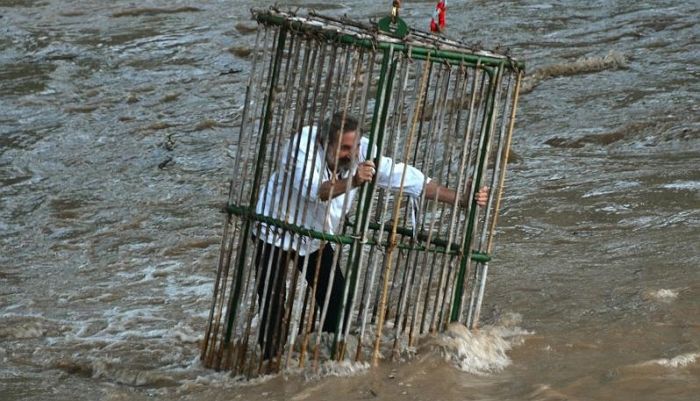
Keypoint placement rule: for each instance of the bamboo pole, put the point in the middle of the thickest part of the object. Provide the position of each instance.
(392, 238)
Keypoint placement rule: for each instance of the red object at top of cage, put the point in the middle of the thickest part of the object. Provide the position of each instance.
(437, 22)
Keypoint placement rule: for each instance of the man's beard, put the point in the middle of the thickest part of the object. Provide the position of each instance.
(344, 166)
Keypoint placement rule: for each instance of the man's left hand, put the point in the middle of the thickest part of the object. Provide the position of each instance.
(482, 196)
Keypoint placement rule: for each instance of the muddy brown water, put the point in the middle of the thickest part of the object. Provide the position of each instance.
(116, 125)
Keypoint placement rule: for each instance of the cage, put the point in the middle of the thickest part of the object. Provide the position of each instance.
(360, 271)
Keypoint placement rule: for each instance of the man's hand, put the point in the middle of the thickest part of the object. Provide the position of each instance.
(481, 197)
(364, 173)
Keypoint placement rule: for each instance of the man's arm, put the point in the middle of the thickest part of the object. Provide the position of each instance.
(435, 191)
(332, 188)
(391, 175)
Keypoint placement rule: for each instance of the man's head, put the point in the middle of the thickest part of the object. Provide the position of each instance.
(341, 139)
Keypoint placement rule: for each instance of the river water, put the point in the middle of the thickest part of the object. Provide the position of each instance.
(117, 121)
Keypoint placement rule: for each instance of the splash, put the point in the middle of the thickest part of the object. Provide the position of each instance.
(611, 61)
(683, 185)
(480, 351)
(338, 369)
(662, 295)
(18, 327)
(679, 361)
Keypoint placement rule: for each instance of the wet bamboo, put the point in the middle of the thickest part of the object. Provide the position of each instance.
(272, 162)
(346, 201)
(235, 298)
(441, 282)
(432, 140)
(354, 269)
(438, 98)
(386, 74)
(470, 226)
(216, 351)
(345, 107)
(368, 76)
(487, 135)
(504, 153)
(211, 333)
(278, 333)
(312, 301)
(392, 238)
(428, 285)
(463, 168)
(398, 106)
(257, 100)
(300, 215)
(445, 211)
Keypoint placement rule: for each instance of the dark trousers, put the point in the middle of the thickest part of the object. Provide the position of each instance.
(272, 332)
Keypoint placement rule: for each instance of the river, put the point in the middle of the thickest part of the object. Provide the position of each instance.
(117, 125)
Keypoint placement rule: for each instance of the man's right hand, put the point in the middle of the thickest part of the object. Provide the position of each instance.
(364, 173)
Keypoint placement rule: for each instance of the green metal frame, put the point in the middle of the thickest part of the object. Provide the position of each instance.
(438, 245)
(492, 65)
(469, 229)
(450, 56)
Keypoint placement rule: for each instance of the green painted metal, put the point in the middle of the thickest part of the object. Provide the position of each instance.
(449, 56)
(256, 181)
(378, 120)
(482, 165)
(393, 26)
(438, 245)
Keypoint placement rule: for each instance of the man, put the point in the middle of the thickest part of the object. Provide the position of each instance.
(314, 184)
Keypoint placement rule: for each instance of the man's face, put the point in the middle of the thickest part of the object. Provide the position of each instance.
(345, 152)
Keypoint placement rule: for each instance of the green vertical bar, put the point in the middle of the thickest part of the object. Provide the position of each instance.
(459, 288)
(378, 119)
(256, 180)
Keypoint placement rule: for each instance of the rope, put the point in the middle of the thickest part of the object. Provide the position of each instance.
(395, 6)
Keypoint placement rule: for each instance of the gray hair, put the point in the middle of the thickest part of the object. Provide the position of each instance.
(330, 129)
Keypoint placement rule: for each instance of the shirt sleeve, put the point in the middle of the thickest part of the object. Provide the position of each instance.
(307, 171)
(389, 173)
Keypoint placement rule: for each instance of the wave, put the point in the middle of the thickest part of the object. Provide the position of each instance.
(113, 372)
(18, 327)
(662, 295)
(648, 134)
(137, 12)
(479, 351)
(611, 61)
(679, 361)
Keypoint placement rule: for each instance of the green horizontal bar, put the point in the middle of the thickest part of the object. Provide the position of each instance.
(440, 245)
(420, 52)
(246, 212)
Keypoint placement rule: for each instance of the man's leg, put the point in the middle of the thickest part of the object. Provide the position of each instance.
(271, 303)
(335, 306)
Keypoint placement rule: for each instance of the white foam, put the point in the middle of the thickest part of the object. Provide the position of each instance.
(220, 380)
(663, 295)
(683, 185)
(24, 332)
(618, 187)
(114, 371)
(185, 334)
(29, 326)
(339, 369)
(679, 361)
(480, 351)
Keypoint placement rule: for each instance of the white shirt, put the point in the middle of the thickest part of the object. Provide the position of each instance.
(291, 194)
